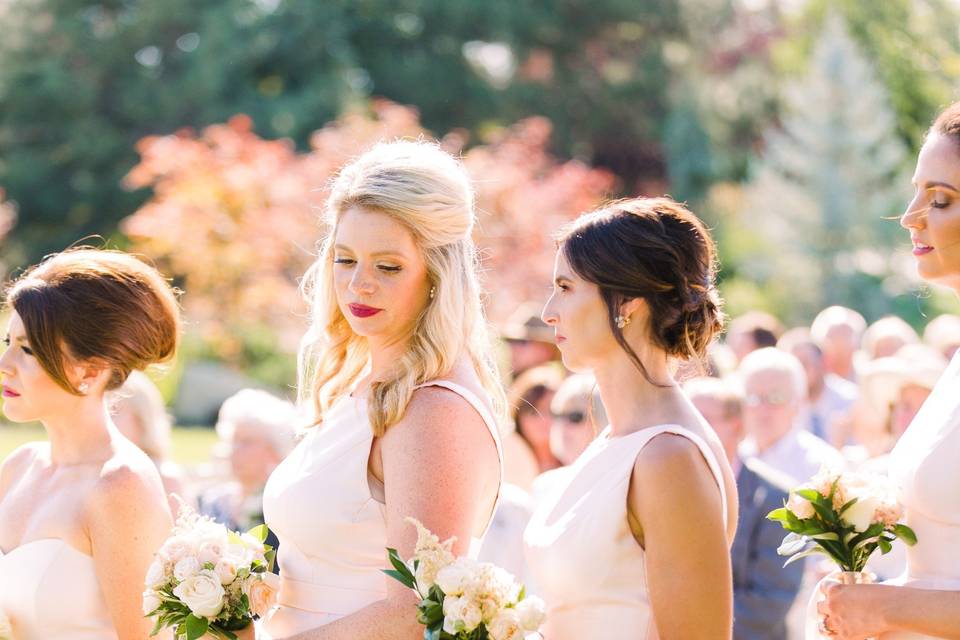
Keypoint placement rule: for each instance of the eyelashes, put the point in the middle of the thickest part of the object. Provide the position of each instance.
(27, 350)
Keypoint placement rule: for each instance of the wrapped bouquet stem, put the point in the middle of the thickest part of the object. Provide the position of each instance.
(461, 599)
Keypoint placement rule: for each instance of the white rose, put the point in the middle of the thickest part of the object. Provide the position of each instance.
(186, 567)
(460, 614)
(531, 611)
(860, 514)
(261, 591)
(226, 570)
(156, 574)
(150, 602)
(211, 551)
(453, 578)
(801, 507)
(506, 626)
(175, 548)
(202, 593)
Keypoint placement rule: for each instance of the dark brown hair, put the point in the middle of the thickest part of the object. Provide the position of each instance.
(92, 305)
(657, 250)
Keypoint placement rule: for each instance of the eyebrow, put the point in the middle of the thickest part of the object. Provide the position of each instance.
(375, 254)
(562, 277)
(939, 185)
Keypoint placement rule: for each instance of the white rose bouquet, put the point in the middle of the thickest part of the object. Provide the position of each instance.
(6, 630)
(206, 579)
(845, 516)
(461, 599)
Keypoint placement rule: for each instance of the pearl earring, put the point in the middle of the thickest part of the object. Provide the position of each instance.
(433, 291)
(84, 387)
(622, 321)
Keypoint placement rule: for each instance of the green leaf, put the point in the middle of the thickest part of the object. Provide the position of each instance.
(260, 532)
(196, 627)
(905, 533)
(402, 578)
(399, 564)
(827, 514)
(809, 494)
(826, 535)
(778, 515)
(803, 554)
(885, 546)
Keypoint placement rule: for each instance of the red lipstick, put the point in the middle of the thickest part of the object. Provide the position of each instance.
(10, 393)
(363, 311)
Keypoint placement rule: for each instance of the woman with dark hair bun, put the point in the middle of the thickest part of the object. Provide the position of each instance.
(634, 542)
(925, 601)
(81, 514)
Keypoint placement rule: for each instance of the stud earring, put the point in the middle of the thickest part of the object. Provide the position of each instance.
(622, 321)
(84, 387)
(433, 291)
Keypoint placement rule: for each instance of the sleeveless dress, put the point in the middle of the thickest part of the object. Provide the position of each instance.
(332, 531)
(923, 467)
(49, 590)
(581, 550)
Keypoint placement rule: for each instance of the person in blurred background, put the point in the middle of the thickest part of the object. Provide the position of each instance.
(837, 331)
(751, 331)
(775, 390)
(530, 340)
(763, 589)
(886, 336)
(256, 431)
(529, 400)
(943, 334)
(139, 413)
(829, 396)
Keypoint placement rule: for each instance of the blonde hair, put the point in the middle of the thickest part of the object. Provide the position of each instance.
(428, 192)
(140, 395)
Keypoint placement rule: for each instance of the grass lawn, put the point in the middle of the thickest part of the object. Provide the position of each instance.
(191, 445)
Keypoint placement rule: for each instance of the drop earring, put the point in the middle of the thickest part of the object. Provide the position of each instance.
(433, 291)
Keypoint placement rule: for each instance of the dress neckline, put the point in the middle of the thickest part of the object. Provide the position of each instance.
(61, 541)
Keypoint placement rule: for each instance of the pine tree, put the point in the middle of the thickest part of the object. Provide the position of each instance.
(830, 178)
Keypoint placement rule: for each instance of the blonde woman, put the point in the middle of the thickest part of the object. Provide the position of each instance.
(407, 400)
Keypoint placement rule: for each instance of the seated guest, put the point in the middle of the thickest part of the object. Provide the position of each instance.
(258, 430)
(886, 336)
(763, 589)
(751, 331)
(775, 390)
(578, 417)
(138, 412)
(837, 331)
(529, 400)
(943, 334)
(829, 397)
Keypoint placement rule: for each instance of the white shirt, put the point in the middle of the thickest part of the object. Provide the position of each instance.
(799, 454)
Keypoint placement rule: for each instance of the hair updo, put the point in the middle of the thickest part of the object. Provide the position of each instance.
(948, 122)
(96, 306)
(657, 250)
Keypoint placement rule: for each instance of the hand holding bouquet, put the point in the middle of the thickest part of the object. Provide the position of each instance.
(6, 630)
(461, 599)
(845, 516)
(206, 579)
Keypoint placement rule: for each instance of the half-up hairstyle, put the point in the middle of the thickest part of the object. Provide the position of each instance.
(657, 250)
(428, 192)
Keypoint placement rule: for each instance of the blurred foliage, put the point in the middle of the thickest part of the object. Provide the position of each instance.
(234, 219)
(606, 96)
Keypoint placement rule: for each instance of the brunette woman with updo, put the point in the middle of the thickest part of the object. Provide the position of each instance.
(634, 542)
(82, 513)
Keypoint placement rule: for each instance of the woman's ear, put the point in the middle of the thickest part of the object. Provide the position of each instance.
(634, 309)
(91, 375)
